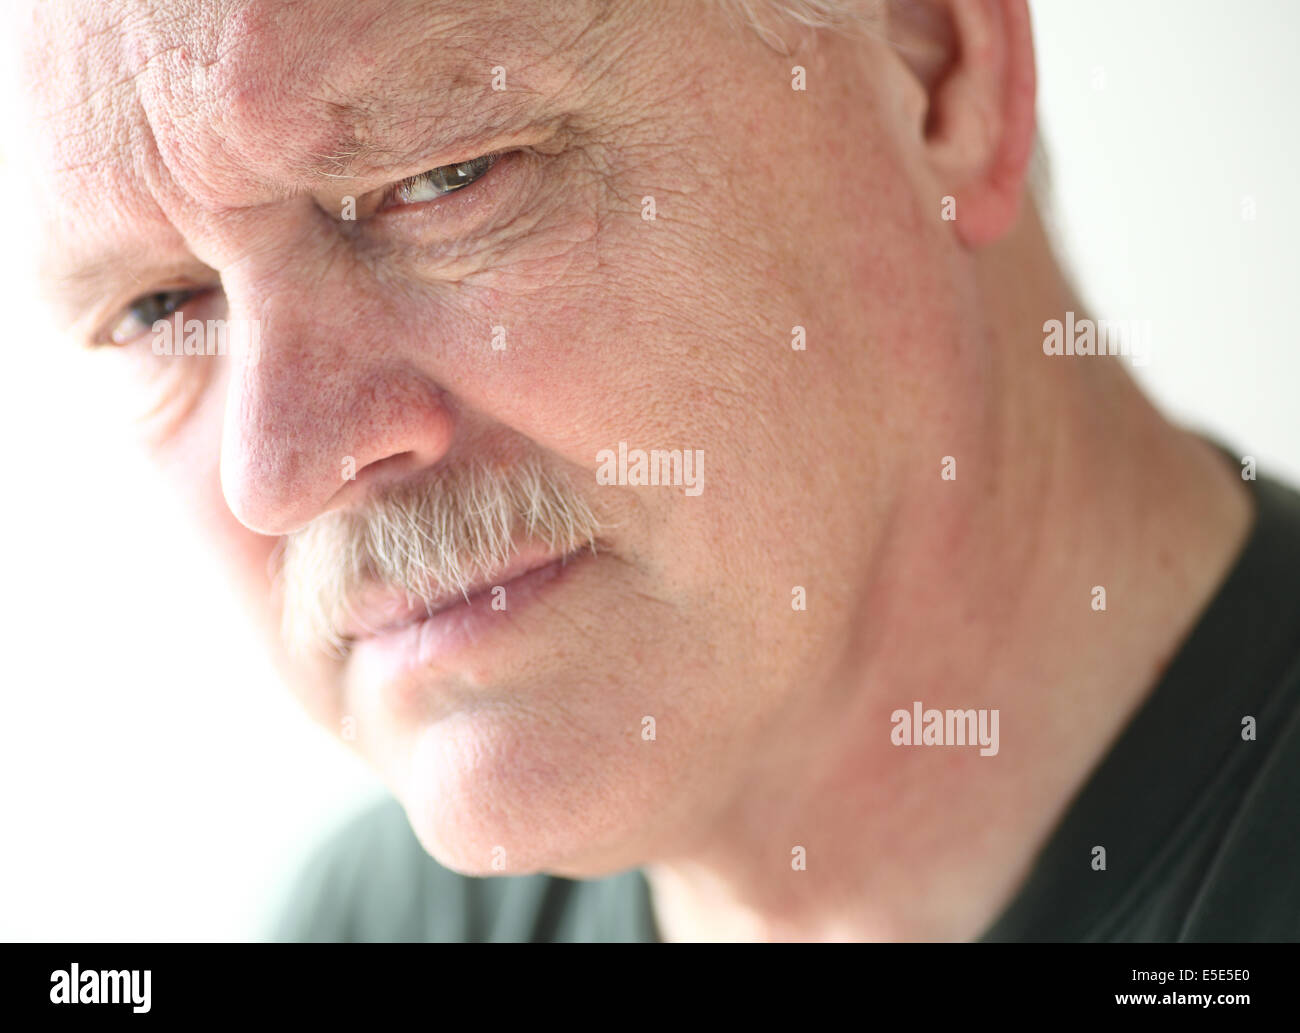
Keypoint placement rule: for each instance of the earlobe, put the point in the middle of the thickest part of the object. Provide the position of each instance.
(979, 123)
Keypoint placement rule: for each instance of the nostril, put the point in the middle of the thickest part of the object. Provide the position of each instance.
(383, 471)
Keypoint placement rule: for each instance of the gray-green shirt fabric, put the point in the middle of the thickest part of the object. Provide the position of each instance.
(1201, 827)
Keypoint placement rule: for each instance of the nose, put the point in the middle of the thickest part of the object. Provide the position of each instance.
(330, 403)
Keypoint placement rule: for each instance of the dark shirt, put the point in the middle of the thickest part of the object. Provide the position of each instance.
(1200, 823)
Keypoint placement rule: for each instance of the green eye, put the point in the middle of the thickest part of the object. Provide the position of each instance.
(445, 179)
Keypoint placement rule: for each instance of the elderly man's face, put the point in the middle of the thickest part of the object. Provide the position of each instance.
(663, 211)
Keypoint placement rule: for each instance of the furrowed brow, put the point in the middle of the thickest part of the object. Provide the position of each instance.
(364, 144)
(387, 143)
(81, 296)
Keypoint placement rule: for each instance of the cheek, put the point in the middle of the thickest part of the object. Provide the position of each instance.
(680, 338)
(190, 459)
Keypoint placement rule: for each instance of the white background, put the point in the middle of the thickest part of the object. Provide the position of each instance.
(157, 783)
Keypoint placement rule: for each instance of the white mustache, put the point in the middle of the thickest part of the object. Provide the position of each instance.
(431, 537)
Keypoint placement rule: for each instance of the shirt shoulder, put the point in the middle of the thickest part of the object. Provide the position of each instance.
(1187, 830)
(1250, 887)
(372, 881)
(364, 882)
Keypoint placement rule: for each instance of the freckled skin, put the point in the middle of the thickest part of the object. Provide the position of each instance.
(211, 138)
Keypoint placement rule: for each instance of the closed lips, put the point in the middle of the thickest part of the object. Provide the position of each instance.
(385, 609)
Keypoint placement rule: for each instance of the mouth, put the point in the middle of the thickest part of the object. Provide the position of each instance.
(382, 611)
(391, 633)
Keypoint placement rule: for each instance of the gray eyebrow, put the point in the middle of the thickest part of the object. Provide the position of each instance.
(69, 290)
(344, 154)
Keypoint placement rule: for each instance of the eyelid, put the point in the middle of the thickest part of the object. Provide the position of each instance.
(390, 199)
(103, 338)
(462, 221)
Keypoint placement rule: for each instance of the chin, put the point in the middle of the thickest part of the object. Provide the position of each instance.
(504, 791)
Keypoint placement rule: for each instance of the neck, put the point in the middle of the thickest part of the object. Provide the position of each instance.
(984, 598)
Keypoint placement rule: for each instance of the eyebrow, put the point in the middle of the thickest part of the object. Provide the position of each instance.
(342, 164)
(83, 296)
(78, 291)
(352, 157)
(349, 156)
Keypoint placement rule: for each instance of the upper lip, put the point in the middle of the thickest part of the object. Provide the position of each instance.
(380, 609)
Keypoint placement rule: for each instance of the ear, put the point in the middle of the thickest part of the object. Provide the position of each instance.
(974, 63)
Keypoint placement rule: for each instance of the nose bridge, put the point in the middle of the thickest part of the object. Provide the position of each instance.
(331, 390)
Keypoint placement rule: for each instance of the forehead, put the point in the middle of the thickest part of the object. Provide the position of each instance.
(220, 61)
(229, 103)
(324, 76)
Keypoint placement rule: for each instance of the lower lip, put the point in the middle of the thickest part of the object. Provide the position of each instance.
(437, 640)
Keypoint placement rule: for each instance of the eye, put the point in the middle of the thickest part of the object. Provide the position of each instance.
(139, 317)
(436, 183)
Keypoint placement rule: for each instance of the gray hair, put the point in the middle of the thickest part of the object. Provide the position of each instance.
(766, 17)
